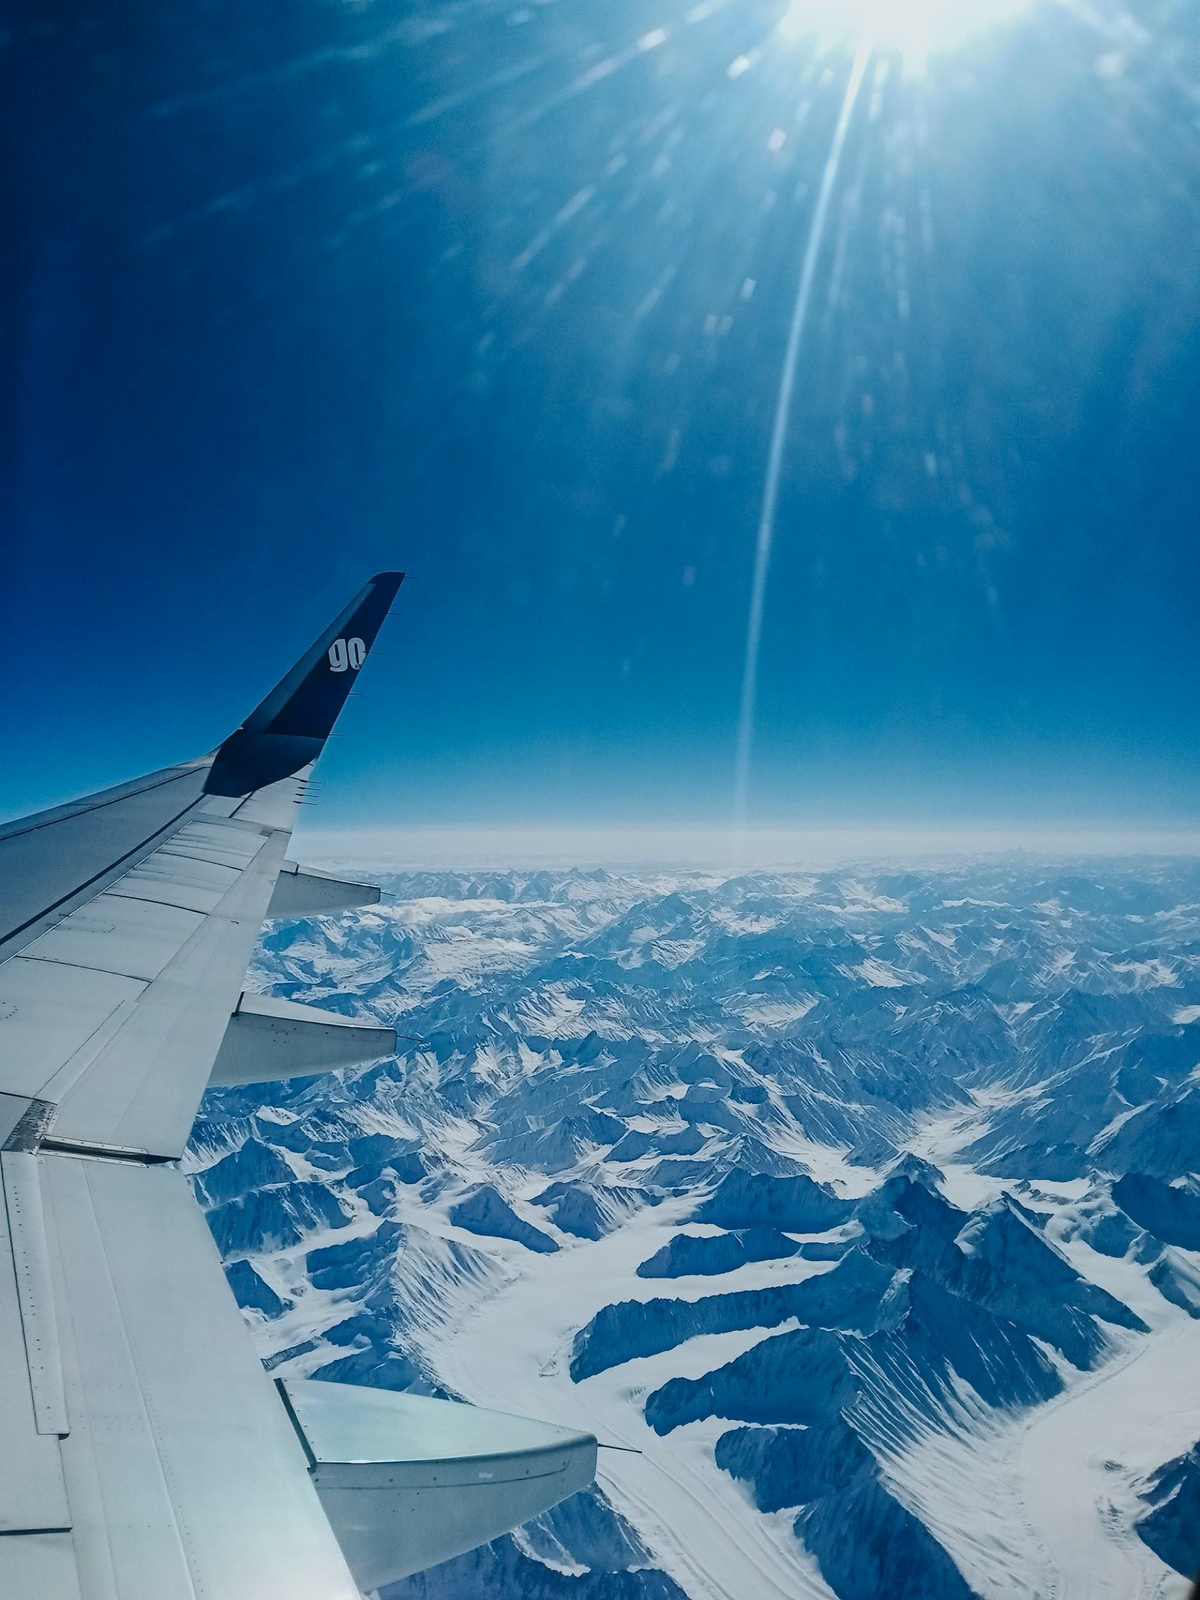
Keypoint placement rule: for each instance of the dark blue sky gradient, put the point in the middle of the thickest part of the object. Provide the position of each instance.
(494, 294)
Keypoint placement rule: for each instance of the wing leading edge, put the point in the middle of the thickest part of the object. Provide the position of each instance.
(144, 1454)
(133, 915)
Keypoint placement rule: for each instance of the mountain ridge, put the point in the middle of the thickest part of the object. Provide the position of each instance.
(925, 1132)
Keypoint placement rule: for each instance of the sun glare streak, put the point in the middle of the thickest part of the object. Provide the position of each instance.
(779, 429)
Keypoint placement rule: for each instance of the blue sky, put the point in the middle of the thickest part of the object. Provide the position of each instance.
(501, 295)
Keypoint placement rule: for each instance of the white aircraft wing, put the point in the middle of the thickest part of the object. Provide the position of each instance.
(144, 1453)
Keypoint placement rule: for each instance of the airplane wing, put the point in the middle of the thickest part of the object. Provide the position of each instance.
(144, 1453)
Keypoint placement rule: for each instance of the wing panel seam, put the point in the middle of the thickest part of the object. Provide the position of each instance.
(82, 1441)
(96, 876)
(35, 1294)
(182, 1534)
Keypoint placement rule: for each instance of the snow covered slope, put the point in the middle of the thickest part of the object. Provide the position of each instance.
(861, 1203)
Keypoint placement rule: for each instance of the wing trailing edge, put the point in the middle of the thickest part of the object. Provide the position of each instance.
(309, 892)
(408, 1482)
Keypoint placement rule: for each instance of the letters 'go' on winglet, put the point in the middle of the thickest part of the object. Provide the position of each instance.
(288, 730)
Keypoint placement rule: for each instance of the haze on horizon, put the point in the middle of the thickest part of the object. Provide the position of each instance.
(601, 322)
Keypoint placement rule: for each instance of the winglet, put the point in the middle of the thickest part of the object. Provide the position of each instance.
(289, 728)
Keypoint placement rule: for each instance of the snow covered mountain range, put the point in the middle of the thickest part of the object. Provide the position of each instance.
(862, 1203)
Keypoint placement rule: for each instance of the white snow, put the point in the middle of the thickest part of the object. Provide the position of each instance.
(1156, 974)
(1042, 1506)
(881, 975)
(773, 1013)
(1039, 1506)
(513, 1354)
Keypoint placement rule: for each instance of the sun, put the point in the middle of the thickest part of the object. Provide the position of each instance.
(916, 30)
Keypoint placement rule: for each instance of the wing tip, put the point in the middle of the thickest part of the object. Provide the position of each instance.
(289, 728)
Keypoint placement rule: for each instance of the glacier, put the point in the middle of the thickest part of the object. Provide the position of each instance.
(858, 1206)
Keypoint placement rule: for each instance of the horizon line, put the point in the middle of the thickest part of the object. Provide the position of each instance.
(711, 848)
